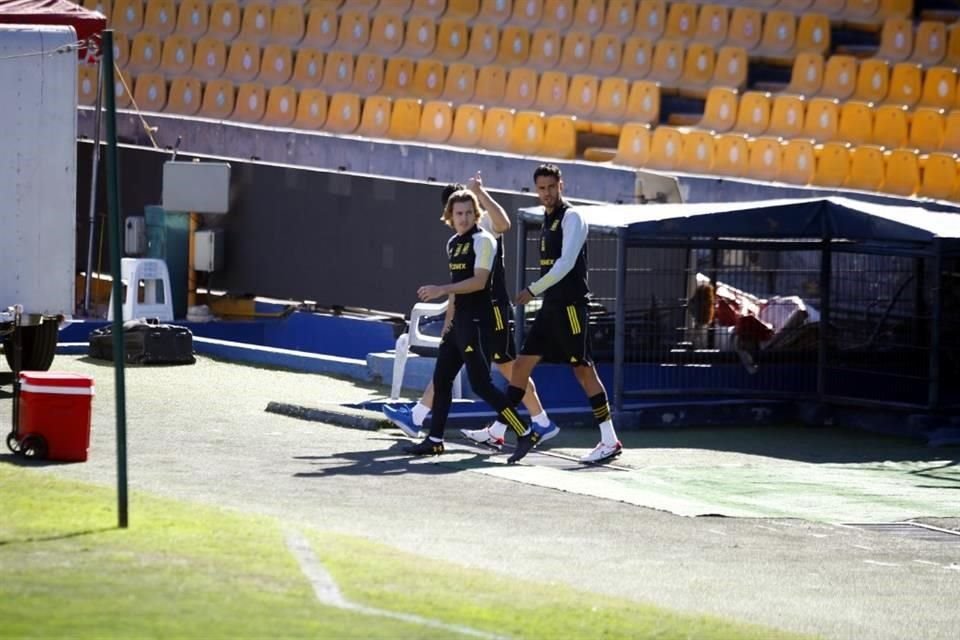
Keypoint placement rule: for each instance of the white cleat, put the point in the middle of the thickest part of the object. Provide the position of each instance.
(482, 436)
(602, 453)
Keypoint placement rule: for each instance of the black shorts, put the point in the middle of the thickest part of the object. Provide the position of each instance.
(559, 334)
(503, 343)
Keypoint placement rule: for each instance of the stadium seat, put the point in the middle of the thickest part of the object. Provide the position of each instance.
(526, 137)
(582, 97)
(696, 154)
(753, 114)
(605, 54)
(557, 14)
(681, 21)
(822, 119)
(353, 34)
(799, 162)
(251, 103)
(160, 17)
(806, 77)
(731, 155)
(939, 88)
(396, 7)
(367, 74)
(452, 40)
(494, 11)
(667, 63)
(930, 43)
(308, 68)
(720, 110)
(337, 71)
(746, 27)
(527, 13)
(243, 61)
(209, 58)
(926, 129)
(611, 106)
(951, 132)
(698, 70)
(218, 99)
(839, 77)
(375, 117)
(833, 164)
(856, 123)
(731, 67)
(145, 53)
(86, 84)
(460, 83)
(514, 49)
(150, 92)
(952, 57)
(428, 79)
(121, 49)
(497, 129)
(637, 59)
(813, 33)
(483, 45)
(431, 8)
(386, 33)
(256, 26)
(873, 80)
(633, 146)
(621, 17)
(281, 106)
(575, 52)
(436, 122)
(787, 116)
(521, 90)
(127, 16)
(185, 96)
(589, 15)
(276, 66)
(665, 146)
(545, 49)
(398, 77)
(193, 19)
(713, 22)
(560, 137)
(779, 39)
(224, 21)
(467, 126)
(896, 40)
(890, 128)
(405, 119)
(902, 175)
(866, 168)
(905, 84)
(312, 109)
(832, 8)
(421, 37)
(322, 29)
(643, 103)
(861, 12)
(766, 159)
(177, 56)
(552, 92)
(491, 85)
(287, 27)
(939, 176)
(651, 19)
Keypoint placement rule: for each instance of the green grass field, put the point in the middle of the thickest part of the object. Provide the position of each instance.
(183, 570)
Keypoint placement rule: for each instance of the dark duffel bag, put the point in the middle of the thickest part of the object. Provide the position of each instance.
(145, 342)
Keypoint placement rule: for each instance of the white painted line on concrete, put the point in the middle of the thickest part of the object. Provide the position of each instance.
(882, 564)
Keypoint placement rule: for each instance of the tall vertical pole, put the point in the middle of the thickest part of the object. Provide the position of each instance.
(113, 214)
(620, 321)
(94, 168)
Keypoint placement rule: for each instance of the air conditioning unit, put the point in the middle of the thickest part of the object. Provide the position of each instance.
(208, 250)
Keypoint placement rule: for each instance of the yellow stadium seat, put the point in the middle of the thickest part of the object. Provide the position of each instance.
(337, 71)
(873, 80)
(431, 8)
(681, 21)
(185, 96)
(386, 33)
(428, 79)
(243, 61)
(251, 103)
(905, 84)
(311, 109)
(951, 132)
(323, 25)
(483, 44)
(799, 162)
(621, 17)
(856, 123)
(746, 27)
(527, 13)
(862, 12)
(398, 77)
(637, 59)
(890, 128)
(544, 49)
(902, 8)
(177, 56)
(421, 37)
(514, 46)
(786, 116)
(256, 26)
(160, 17)
(398, 7)
(665, 146)
(605, 56)
(753, 113)
(121, 49)
(926, 129)
(930, 43)
(150, 92)
(698, 70)
(127, 16)
(866, 168)
(494, 11)
(193, 18)
(902, 176)
(651, 19)
(86, 84)
(822, 119)
(940, 176)
(839, 77)
(276, 66)
(526, 137)
(713, 23)
(462, 9)
(813, 33)
(367, 74)
(731, 67)
(343, 114)
(287, 27)
(633, 146)
(281, 106)
(460, 83)
(582, 96)
(521, 90)
(731, 155)
(611, 105)
(575, 52)
(939, 88)
(218, 99)
(696, 154)
(560, 137)
(405, 119)
(833, 164)
(643, 103)
(224, 20)
(589, 15)
(209, 58)
(145, 53)
(308, 68)
(720, 110)
(491, 85)
(436, 122)
(667, 63)
(467, 126)
(779, 39)
(452, 39)
(952, 57)
(552, 91)
(766, 159)
(806, 77)
(354, 32)
(557, 14)
(896, 40)
(497, 129)
(832, 8)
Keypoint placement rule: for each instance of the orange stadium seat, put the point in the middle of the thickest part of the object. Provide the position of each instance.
(251, 103)
(311, 109)
(839, 77)
(621, 17)
(926, 130)
(637, 59)
(713, 22)
(514, 46)
(276, 66)
(732, 155)
(177, 58)
(696, 154)
(582, 96)
(799, 162)
(787, 116)
(753, 114)
(822, 119)
(405, 119)
(367, 74)
(952, 56)
(224, 20)
(667, 63)
(209, 58)
(611, 105)
(939, 88)
(890, 128)
(256, 26)
(731, 67)
(896, 40)
(375, 117)
(483, 44)
(930, 43)
(399, 7)
(940, 176)
(527, 13)
(832, 8)
(545, 49)
(806, 77)
(681, 21)
(557, 14)
(343, 113)
(185, 96)
(421, 37)
(779, 39)
(746, 28)
(193, 18)
(951, 132)
(651, 19)
(281, 106)
(633, 146)
(521, 90)
(494, 11)
(150, 92)
(665, 146)
(243, 61)
(462, 9)
(491, 85)
(858, 11)
(431, 8)
(866, 168)
(460, 83)
(698, 70)
(398, 77)
(720, 110)
(436, 122)
(873, 80)
(813, 33)
(856, 123)
(160, 17)
(643, 103)
(127, 16)
(526, 137)
(560, 137)
(906, 84)
(308, 68)
(452, 39)
(86, 84)
(287, 27)
(902, 176)
(145, 53)
(337, 71)
(605, 55)
(322, 28)
(575, 52)
(833, 165)
(428, 79)
(467, 126)
(386, 33)
(121, 49)
(766, 159)
(497, 129)
(589, 15)
(354, 32)
(552, 91)
(218, 99)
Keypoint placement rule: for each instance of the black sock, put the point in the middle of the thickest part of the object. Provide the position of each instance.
(515, 395)
(601, 410)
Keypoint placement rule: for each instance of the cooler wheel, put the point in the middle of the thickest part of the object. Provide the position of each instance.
(13, 443)
(33, 447)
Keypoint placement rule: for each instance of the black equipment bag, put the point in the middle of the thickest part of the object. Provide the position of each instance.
(145, 342)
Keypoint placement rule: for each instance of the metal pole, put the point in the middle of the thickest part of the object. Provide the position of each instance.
(520, 280)
(619, 321)
(113, 214)
(936, 325)
(92, 217)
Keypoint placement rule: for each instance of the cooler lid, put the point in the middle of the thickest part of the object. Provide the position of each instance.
(55, 379)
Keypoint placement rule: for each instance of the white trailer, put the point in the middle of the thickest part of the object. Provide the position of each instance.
(38, 185)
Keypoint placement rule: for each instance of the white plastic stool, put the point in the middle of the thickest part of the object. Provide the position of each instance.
(413, 338)
(157, 299)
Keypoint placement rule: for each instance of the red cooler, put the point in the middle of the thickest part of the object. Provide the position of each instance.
(56, 406)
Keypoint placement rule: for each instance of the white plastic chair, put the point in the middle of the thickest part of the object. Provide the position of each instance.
(414, 338)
